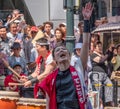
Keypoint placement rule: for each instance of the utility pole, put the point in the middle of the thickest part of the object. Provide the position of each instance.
(110, 8)
(80, 9)
(70, 39)
(100, 8)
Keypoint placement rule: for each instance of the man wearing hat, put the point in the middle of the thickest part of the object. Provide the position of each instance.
(12, 78)
(16, 57)
(76, 54)
(34, 30)
(45, 64)
(74, 62)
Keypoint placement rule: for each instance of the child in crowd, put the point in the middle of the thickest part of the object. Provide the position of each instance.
(12, 78)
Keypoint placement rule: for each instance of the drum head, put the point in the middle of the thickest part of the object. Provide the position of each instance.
(29, 101)
(9, 95)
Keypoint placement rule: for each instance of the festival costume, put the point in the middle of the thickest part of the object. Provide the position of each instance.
(49, 86)
(41, 68)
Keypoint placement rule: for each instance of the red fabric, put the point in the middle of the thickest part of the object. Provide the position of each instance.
(38, 61)
(36, 89)
(9, 79)
(49, 85)
(78, 86)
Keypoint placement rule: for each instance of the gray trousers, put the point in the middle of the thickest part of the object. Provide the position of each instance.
(100, 80)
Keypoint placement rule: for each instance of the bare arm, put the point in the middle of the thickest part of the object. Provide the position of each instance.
(85, 50)
(86, 11)
(15, 18)
(49, 68)
(100, 59)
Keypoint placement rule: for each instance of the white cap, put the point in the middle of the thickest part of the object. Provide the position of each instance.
(17, 21)
(78, 45)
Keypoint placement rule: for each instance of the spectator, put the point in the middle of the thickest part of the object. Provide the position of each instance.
(29, 35)
(16, 15)
(14, 36)
(2, 69)
(93, 40)
(116, 58)
(15, 57)
(34, 30)
(5, 41)
(109, 65)
(48, 26)
(12, 78)
(75, 60)
(13, 33)
(62, 26)
(79, 37)
(58, 36)
(8, 20)
(30, 51)
(99, 73)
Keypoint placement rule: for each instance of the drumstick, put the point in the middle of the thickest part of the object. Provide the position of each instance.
(15, 84)
(11, 69)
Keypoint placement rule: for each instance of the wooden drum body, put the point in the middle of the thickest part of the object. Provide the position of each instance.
(8, 99)
(28, 103)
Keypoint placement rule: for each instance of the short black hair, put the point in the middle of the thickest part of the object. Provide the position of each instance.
(49, 23)
(2, 27)
(97, 43)
(16, 45)
(117, 46)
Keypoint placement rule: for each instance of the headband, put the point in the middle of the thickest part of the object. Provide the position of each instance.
(40, 43)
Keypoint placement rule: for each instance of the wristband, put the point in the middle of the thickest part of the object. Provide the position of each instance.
(30, 77)
(34, 80)
(86, 26)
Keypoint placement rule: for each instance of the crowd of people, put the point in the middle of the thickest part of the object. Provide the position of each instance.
(39, 57)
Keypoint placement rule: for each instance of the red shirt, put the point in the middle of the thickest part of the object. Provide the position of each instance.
(9, 79)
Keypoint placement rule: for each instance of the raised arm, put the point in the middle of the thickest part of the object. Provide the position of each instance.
(86, 11)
